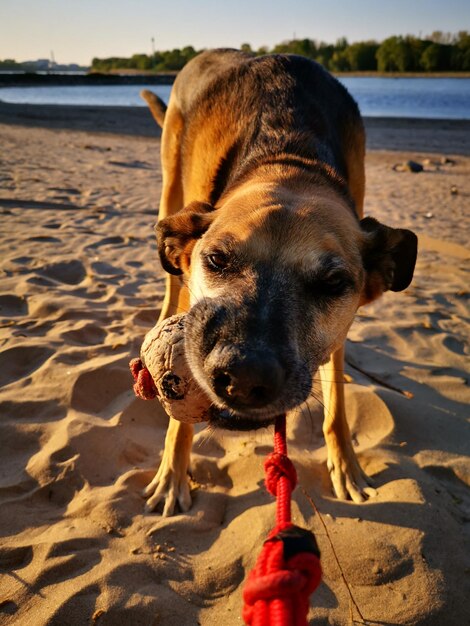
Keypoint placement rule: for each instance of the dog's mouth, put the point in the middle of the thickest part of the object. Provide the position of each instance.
(250, 375)
(235, 415)
(226, 419)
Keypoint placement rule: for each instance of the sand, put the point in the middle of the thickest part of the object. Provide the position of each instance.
(80, 286)
(440, 136)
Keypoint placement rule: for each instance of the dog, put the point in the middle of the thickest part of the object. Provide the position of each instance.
(262, 235)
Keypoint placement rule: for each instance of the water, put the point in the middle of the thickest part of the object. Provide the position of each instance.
(92, 95)
(445, 98)
(432, 98)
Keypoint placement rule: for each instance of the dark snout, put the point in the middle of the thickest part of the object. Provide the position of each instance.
(246, 361)
(250, 380)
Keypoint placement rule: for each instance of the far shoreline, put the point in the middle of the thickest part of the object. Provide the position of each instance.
(418, 135)
(129, 77)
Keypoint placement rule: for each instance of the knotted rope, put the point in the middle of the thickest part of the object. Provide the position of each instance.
(288, 569)
(144, 387)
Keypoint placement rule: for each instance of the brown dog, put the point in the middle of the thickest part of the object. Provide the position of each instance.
(260, 230)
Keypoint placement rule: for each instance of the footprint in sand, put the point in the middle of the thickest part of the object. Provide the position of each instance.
(44, 239)
(64, 482)
(106, 269)
(72, 546)
(32, 411)
(146, 317)
(8, 607)
(13, 558)
(133, 164)
(71, 191)
(63, 567)
(13, 306)
(93, 391)
(107, 241)
(77, 602)
(19, 362)
(22, 260)
(88, 335)
(454, 345)
(41, 281)
(69, 272)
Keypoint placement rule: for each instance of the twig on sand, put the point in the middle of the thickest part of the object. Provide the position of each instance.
(378, 380)
(352, 601)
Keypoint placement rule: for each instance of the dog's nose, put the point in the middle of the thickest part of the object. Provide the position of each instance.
(252, 382)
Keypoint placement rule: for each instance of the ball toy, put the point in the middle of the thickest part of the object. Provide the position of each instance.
(163, 372)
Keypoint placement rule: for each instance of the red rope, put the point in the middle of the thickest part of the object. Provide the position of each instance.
(144, 387)
(288, 568)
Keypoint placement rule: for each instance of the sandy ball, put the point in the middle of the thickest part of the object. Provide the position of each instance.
(163, 354)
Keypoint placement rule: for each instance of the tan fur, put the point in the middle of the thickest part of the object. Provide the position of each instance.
(200, 137)
(156, 105)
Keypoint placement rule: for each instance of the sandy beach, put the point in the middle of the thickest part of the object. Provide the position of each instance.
(81, 285)
(439, 136)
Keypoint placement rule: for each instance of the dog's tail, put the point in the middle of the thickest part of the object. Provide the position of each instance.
(156, 105)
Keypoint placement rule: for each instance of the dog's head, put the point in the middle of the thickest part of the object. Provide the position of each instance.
(275, 280)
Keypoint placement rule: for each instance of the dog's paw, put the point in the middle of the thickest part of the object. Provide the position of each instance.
(347, 477)
(170, 486)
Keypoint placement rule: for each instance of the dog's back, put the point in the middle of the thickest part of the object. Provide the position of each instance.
(252, 108)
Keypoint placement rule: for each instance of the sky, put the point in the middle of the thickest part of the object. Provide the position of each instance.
(78, 30)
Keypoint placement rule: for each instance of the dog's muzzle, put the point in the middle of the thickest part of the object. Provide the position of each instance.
(245, 363)
(243, 381)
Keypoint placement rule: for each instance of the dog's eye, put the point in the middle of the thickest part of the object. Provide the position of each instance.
(335, 282)
(217, 261)
(331, 285)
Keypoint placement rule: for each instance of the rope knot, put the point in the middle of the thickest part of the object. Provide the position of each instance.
(276, 466)
(288, 568)
(289, 581)
(301, 576)
(144, 387)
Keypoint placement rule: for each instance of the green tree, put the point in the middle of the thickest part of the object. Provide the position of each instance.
(339, 62)
(439, 37)
(394, 55)
(188, 53)
(141, 62)
(361, 56)
(439, 52)
(416, 47)
(325, 53)
(460, 56)
(436, 58)
(304, 47)
(341, 43)
(282, 48)
(10, 64)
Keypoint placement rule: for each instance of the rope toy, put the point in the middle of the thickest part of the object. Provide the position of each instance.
(288, 568)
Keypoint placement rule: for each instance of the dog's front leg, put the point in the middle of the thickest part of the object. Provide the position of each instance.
(347, 477)
(171, 482)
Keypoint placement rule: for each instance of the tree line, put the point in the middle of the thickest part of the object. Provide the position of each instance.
(439, 52)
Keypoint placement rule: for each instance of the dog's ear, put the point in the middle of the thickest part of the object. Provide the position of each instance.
(389, 257)
(177, 234)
